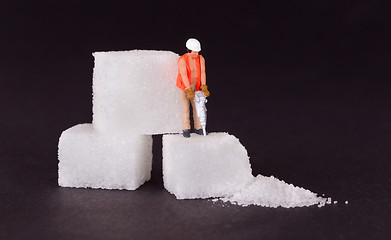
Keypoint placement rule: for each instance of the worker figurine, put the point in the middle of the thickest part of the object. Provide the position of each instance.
(191, 78)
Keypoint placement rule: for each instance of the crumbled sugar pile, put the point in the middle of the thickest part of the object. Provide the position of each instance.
(272, 192)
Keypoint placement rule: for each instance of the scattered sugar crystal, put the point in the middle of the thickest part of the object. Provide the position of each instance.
(88, 158)
(204, 166)
(346, 202)
(335, 202)
(134, 92)
(271, 192)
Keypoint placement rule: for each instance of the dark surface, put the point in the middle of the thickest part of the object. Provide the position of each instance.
(304, 85)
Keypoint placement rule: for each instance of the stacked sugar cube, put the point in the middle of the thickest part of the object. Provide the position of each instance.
(134, 97)
(134, 92)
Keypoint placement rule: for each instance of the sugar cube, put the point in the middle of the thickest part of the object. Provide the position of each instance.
(88, 158)
(134, 92)
(204, 166)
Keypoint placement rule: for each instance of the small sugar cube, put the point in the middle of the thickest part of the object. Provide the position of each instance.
(88, 158)
(134, 92)
(215, 165)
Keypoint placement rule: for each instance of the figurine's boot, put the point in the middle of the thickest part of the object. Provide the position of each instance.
(200, 131)
(186, 133)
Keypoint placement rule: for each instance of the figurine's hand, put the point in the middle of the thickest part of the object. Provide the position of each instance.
(190, 93)
(204, 89)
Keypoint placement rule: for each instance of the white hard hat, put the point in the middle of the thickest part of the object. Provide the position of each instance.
(193, 44)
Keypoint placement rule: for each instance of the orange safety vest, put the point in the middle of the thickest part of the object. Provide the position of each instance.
(179, 81)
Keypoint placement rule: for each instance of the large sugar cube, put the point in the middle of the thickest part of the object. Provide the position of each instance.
(91, 159)
(134, 92)
(215, 165)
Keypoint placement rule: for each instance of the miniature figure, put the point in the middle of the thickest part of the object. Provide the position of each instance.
(191, 78)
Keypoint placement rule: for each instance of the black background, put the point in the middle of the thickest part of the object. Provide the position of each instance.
(304, 85)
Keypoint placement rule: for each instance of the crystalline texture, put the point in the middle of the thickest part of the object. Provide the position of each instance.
(135, 92)
(204, 166)
(92, 159)
(134, 96)
(271, 192)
